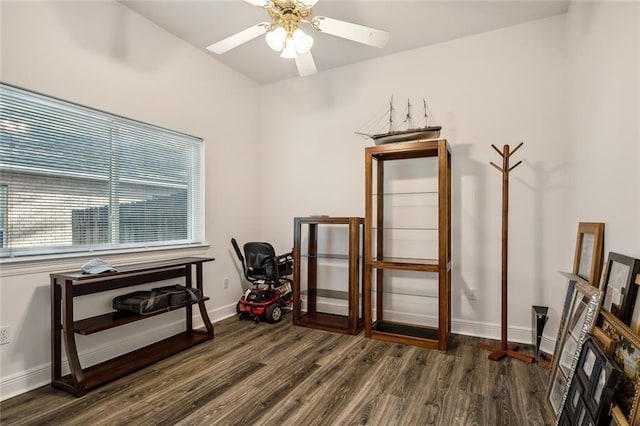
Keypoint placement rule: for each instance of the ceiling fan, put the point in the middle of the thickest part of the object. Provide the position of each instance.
(284, 33)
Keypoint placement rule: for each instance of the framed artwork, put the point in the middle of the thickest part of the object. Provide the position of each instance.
(597, 376)
(587, 262)
(575, 400)
(576, 411)
(627, 356)
(589, 363)
(557, 390)
(635, 317)
(602, 388)
(579, 314)
(617, 417)
(607, 344)
(568, 300)
(619, 287)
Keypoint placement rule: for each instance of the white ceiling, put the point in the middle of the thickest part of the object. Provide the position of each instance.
(412, 24)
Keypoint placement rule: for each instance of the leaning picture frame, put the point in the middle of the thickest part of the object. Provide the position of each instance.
(587, 261)
(589, 364)
(619, 287)
(627, 356)
(579, 314)
(617, 417)
(601, 392)
(575, 399)
(597, 375)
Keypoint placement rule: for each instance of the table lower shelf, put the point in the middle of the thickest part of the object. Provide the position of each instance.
(426, 337)
(128, 363)
(117, 318)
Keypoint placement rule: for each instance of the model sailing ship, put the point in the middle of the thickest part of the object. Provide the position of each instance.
(409, 133)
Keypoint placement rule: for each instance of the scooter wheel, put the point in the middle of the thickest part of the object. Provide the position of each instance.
(241, 315)
(274, 313)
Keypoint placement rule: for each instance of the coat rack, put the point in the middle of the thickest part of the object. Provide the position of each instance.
(506, 349)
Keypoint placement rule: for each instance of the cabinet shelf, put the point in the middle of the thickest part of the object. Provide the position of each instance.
(417, 295)
(325, 256)
(330, 322)
(423, 265)
(405, 228)
(117, 318)
(385, 194)
(398, 332)
(329, 294)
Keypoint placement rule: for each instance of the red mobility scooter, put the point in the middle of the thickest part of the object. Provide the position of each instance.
(268, 273)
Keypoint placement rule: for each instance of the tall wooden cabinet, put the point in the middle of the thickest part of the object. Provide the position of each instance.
(407, 277)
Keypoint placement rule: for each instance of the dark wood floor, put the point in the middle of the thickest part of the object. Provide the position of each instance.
(267, 374)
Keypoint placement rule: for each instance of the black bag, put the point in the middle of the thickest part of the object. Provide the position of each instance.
(180, 295)
(142, 302)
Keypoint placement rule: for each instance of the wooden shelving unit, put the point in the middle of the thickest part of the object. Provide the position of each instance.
(65, 287)
(316, 286)
(428, 219)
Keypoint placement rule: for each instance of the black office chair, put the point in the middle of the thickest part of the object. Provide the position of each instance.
(261, 266)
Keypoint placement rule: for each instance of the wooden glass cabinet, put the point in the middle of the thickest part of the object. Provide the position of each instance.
(327, 274)
(407, 278)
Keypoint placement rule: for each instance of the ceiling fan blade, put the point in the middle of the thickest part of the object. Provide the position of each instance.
(306, 65)
(355, 32)
(259, 3)
(309, 3)
(239, 38)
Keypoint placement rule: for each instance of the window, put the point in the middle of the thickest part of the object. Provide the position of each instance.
(74, 179)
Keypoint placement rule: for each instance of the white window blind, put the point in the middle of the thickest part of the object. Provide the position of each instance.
(77, 179)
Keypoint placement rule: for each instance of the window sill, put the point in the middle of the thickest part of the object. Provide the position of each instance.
(73, 261)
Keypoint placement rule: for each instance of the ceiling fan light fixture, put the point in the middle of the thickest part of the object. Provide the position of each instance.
(276, 38)
(289, 50)
(303, 42)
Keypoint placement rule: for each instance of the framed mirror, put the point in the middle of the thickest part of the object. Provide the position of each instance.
(580, 310)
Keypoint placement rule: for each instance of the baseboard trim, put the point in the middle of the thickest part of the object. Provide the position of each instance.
(36, 377)
(522, 335)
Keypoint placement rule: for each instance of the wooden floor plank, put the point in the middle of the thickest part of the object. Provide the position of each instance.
(285, 369)
(373, 403)
(278, 374)
(427, 387)
(338, 383)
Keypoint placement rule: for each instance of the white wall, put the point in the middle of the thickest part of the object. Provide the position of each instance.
(604, 41)
(102, 55)
(501, 87)
(538, 82)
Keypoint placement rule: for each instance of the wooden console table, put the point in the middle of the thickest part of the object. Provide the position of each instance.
(69, 285)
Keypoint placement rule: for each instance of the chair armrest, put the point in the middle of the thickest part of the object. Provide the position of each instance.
(285, 264)
(284, 256)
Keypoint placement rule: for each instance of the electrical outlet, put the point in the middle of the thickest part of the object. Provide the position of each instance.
(4, 335)
(225, 283)
(473, 293)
